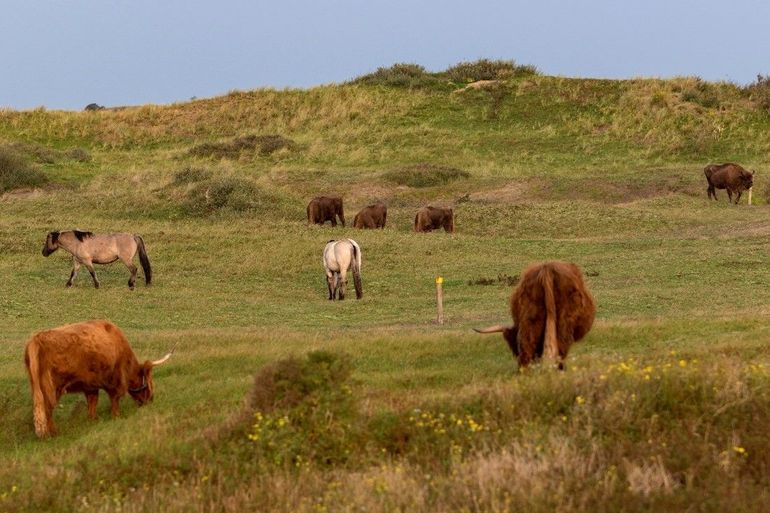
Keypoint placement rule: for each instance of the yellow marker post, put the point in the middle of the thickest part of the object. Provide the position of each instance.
(440, 299)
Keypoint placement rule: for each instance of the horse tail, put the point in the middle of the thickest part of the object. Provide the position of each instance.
(357, 270)
(145, 261)
(42, 388)
(551, 344)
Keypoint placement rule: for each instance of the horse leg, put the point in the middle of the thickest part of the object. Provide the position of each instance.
(74, 273)
(132, 278)
(343, 283)
(91, 270)
(330, 284)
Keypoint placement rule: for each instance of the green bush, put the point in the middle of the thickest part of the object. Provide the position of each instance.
(425, 175)
(264, 144)
(227, 193)
(304, 412)
(17, 173)
(703, 94)
(759, 92)
(398, 75)
(485, 69)
(191, 175)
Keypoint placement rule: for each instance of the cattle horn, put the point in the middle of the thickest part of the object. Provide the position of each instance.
(498, 328)
(165, 358)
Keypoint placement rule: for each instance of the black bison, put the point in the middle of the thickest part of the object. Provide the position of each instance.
(373, 216)
(325, 208)
(551, 309)
(94, 106)
(433, 218)
(731, 177)
(84, 357)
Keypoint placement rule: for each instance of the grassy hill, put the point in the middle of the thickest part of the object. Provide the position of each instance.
(663, 407)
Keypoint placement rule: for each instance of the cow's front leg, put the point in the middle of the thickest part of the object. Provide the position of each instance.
(92, 398)
(114, 404)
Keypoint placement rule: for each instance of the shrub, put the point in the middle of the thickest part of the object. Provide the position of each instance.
(398, 75)
(703, 94)
(265, 144)
(425, 175)
(304, 412)
(16, 172)
(190, 175)
(485, 69)
(759, 92)
(228, 194)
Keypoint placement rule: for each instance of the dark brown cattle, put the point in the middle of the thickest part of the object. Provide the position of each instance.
(373, 216)
(433, 218)
(325, 208)
(84, 357)
(731, 177)
(551, 309)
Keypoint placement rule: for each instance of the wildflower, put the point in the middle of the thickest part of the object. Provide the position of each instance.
(580, 399)
(683, 363)
(740, 450)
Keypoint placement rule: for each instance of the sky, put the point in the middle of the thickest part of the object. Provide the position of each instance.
(65, 54)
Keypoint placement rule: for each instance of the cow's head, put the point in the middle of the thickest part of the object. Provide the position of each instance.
(140, 386)
(748, 179)
(51, 243)
(509, 334)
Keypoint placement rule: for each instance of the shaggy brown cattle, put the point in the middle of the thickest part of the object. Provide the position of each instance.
(84, 357)
(433, 218)
(551, 308)
(325, 208)
(731, 177)
(373, 216)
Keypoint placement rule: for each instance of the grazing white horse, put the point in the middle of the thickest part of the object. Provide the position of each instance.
(339, 257)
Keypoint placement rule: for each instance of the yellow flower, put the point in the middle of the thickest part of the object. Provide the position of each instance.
(683, 363)
(740, 450)
(580, 400)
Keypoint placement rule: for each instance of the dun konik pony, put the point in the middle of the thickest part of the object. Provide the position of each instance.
(341, 256)
(89, 249)
(551, 309)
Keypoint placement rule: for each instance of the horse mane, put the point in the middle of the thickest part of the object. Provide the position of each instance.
(54, 236)
(81, 235)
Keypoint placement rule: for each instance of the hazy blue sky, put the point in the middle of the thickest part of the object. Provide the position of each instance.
(64, 54)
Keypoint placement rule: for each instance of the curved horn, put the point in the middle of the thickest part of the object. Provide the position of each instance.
(165, 358)
(497, 328)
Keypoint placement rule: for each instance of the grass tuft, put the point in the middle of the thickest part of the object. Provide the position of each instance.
(425, 175)
(17, 173)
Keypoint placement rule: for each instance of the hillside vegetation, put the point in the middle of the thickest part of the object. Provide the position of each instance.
(279, 400)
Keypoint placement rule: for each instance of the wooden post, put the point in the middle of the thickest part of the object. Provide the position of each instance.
(440, 299)
(750, 195)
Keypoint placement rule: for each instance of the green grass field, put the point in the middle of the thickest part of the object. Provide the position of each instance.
(665, 406)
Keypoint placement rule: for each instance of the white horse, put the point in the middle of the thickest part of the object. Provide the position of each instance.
(339, 257)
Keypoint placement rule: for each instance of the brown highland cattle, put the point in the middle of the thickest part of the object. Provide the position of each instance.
(325, 208)
(372, 217)
(433, 218)
(731, 177)
(551, 309)
(84, 357)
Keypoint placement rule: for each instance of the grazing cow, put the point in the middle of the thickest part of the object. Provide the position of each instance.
(731, 177)
(84, 357)
(339, 257)
(551, 308)
(325, 208)
(433, 218)
(373, 216)
(89, 249)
